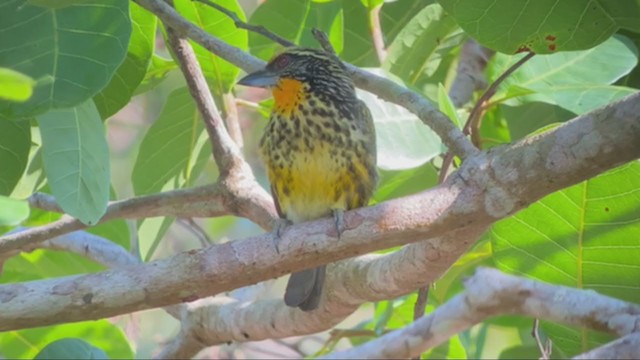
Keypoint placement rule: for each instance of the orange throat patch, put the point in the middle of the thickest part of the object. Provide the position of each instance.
(287, 94)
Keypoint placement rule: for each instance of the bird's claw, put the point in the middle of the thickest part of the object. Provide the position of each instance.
(338, 219)
(279, 227)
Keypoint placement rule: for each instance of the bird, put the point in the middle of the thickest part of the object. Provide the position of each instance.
(319, 149)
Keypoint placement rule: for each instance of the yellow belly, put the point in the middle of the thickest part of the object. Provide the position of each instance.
(314, 182)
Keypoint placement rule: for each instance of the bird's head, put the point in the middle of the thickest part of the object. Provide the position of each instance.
(297, 74)
(300, 64)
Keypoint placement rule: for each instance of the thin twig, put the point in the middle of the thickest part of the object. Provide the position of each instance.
(196, 230)
(421, 302)
(545, 347)
(446, 167)
(472, 126)
(258, 29)
(376, 33)
(420, 306)
(323, 40)
(231, 118)
(474, 117)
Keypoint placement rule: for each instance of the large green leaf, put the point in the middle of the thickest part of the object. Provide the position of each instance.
(416, 52)
(166, 155)
(359, 49)
(33, 178)
(76, 160)
(577, 81)
(15, 86)
(221, 74)
(358, 44)
(25, 344)
(527, 118)
(403, 140)
(543, 26)
(395, 184)
(15, 142)
(72, 51)
(584, 236)
(284, 18)
(293, 20)
(131, 72)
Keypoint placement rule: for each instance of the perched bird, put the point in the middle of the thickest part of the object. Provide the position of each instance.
(319, 148)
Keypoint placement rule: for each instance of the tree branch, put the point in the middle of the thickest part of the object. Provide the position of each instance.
(491, 293)
(487, 187)
(258, 29)
(351, 282)
(241, 196)
(469, 72)
(627, 347)
(225, 152)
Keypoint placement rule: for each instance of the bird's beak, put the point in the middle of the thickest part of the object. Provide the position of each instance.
(262, 78)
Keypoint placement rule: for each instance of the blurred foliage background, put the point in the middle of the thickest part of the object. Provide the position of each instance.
(92, 108)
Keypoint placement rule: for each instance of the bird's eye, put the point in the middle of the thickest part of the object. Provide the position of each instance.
(282, 62)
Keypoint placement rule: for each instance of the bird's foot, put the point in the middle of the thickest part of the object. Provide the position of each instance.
(279, 227)
(340, 223)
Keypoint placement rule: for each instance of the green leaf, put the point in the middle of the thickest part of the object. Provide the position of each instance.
(527, 118)
(132, 71)
(76, 160)
(158, 70)
(445, 105)
(150, 235)
(15, 143)
(584, 236)
(358, 44)
(576, 81)
(12, 211)
(395, 15)
(543, 26)
(25, 344)
(115, 230)
(395, 184)
(416, 52)
(72, 51)
(15, 86)
(33, 178)
(403, 140)
(328, 17)
(71, 348)
(221, 74)
(168, 147)
(295, 19)
(284, 18)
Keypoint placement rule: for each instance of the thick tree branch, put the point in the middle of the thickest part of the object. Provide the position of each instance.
(350, 283)
(489, 186)
(491, 293)
(384, 88)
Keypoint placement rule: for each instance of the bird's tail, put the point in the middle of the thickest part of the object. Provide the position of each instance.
(304, 289)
